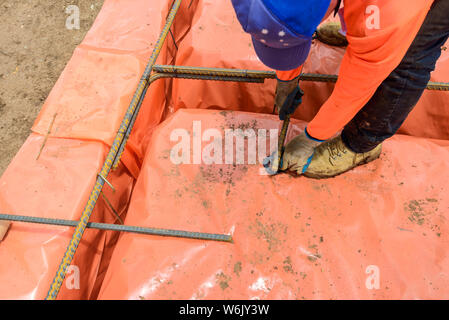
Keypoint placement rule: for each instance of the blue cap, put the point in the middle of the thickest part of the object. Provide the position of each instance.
(281, 30)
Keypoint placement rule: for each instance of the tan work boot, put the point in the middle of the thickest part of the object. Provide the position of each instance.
(333, 157)
(329, 34)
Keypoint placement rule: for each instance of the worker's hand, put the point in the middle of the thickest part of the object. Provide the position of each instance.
(287, 97)
(298, 153)
(4, 225)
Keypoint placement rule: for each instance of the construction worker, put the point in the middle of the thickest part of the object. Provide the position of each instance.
(392, 47)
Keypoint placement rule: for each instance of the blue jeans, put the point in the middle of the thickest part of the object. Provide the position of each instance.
(384, 113)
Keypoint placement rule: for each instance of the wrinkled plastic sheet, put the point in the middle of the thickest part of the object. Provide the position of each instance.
(293, 237)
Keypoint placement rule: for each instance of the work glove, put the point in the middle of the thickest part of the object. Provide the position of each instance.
(299, 152)
(288, 97)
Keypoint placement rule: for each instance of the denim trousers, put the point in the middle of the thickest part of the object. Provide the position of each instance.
(393, 100)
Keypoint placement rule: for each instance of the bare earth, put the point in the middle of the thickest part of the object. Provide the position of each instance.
(35, 46)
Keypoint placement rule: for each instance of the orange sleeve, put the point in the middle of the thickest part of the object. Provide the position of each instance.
(368, 60)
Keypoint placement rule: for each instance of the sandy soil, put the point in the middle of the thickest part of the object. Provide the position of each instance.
(35, 46)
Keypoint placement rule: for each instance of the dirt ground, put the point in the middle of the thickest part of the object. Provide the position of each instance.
(35, 46)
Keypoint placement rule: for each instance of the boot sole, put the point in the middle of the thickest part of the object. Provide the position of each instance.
(322, 176)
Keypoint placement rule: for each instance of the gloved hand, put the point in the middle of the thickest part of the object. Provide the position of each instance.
(299, 152)
(288, 97)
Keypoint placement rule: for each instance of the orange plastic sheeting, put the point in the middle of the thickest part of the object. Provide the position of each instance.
(378, 231)
(216, 39)
(95, 89)
(127, 26)
(57, 185)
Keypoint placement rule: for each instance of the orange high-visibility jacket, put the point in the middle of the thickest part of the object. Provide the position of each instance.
(379, 33)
